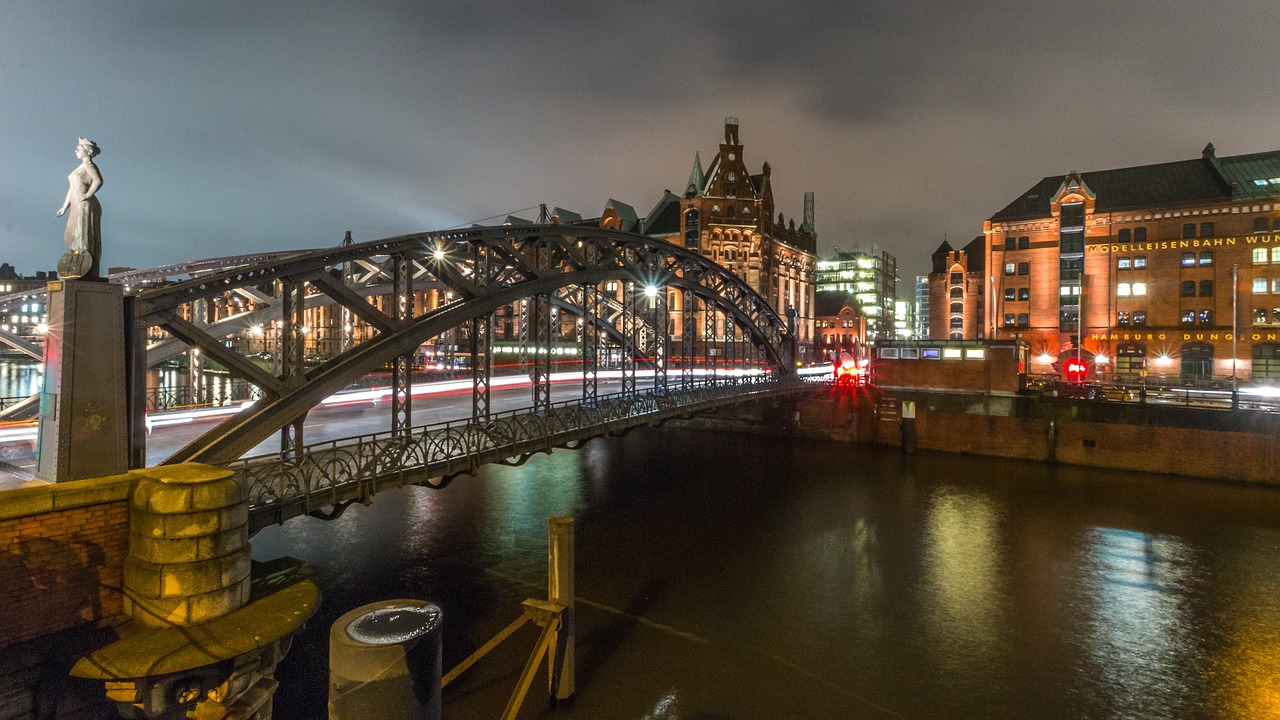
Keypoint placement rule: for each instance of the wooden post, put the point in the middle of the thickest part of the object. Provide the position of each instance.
(560, 591)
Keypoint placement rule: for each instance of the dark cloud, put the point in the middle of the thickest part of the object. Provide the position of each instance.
(236, 126)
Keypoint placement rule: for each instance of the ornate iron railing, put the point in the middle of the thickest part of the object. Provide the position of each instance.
(331, 473)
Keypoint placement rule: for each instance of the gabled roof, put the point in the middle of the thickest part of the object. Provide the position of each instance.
(939, 257)
(513, 220)
(664, 218)
(566, 216)
(627, 218)
(1203, 180)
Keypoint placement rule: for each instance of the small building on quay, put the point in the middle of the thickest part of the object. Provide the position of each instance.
(1169, 270)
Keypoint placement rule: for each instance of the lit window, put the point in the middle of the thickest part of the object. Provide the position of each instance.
(1259, 255)
(1260, 183)
(1206, 317)
(1010, 293)
(1122, 263)
(1122, 318)
(951, 353)
(1010, 268)
(1024, 293)
(1206, 258)
(1139, 288)
(1275, 285)
(1008, 319)
(1188, 317)
(1123, 290)
(1275, 254)
(1139, 261)
(975, 354)
(1188, 259)
(1275, 315)
(1259, 316)
(1140, 317)
(1259, 285)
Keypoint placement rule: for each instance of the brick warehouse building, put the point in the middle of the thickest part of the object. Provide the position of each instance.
(727, 214)
(1139, 263)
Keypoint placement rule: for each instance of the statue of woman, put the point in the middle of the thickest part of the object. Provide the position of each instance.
(84, 224)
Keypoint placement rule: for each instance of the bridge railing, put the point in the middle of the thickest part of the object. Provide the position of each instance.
(325, 474)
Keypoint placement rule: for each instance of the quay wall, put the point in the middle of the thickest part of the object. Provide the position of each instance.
(1236, 446)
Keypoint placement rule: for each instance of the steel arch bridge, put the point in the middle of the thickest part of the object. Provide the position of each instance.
(544, 270)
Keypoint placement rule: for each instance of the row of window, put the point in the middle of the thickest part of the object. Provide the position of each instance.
(1189, 317)
(1017, 293)
(1138, 235)
(1260, 285)
(1189, 230)
(1012, 243)
(1138, 317)
(1260, 224)
(1189, 288)
(1260, 316)
(1131, 289)
(1138, 262)
(1189, 259)
(1260, 255)
(1021, 268)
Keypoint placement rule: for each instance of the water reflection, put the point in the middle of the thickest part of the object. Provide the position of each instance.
(965, 590)
(721, 576)
(20, 378)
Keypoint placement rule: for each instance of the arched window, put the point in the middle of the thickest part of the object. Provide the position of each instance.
(957, 293)
(691, 229)
(957, 323)
(1206, 229)
(1189, 230)
(957, 308)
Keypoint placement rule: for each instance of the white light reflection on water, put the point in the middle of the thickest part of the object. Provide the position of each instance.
(1138, 634)
(963, 565)
(19, 378)
(667, 708)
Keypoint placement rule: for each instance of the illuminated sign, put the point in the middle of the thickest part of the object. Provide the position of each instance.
(1188, 244)
(1124, 336)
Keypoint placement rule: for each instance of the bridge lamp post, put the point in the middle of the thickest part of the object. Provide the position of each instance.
(438, 254)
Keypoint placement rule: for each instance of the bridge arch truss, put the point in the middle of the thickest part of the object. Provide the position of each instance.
(619, 286)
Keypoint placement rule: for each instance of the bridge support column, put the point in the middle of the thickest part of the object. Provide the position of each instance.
(83, 411)
(196, 645)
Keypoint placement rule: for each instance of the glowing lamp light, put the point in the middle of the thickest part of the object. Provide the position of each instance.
(42, 328)
(1163, 360)
(1101, 359)
(1045, 358)
(438, 254)
(650, 291)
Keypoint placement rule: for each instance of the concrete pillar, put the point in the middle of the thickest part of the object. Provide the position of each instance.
(189, 555)
(384, 662)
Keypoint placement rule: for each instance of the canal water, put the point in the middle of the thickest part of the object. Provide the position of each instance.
(721, 576)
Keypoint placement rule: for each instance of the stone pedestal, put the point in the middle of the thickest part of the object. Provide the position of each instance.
(83, 414)
(208, 626)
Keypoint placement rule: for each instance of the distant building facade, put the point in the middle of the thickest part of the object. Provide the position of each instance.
(841, 326)
(24, 316)
(872, 279)
(1142, 267)
(727, 214)
(922, 307)
(956, 291)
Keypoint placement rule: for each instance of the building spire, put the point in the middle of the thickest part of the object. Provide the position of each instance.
(696, 178)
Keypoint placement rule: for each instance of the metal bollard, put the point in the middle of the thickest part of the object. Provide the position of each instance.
(384, 662)
(560, 591)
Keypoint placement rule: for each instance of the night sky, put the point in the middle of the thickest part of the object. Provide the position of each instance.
(230, 127)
